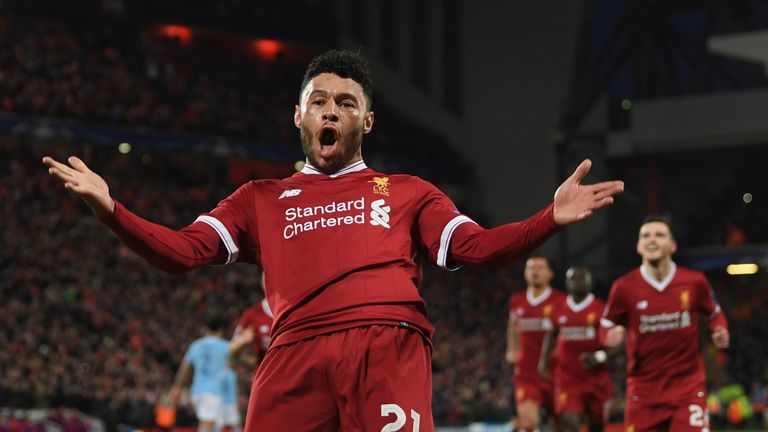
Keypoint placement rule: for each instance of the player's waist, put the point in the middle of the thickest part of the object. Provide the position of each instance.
(408, 315)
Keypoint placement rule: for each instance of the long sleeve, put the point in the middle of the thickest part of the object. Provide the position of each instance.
(710, 307)
(500, 246)
(169, 250)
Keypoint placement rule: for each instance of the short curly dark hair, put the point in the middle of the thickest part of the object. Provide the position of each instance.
(344, 63)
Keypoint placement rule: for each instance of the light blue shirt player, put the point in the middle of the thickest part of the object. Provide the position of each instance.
(208, 356)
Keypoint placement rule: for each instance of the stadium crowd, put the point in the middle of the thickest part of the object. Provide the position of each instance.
(116, 73)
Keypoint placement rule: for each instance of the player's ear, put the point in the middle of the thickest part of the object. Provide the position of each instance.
(673, 247)
(368, 122)
(297, 116)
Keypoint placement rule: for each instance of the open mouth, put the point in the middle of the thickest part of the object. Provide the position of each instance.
(328, 136)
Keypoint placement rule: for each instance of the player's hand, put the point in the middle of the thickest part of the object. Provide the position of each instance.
(85, 183)
(575, 201)
(245, 337)
(615, 336)
(720, 337)
(588, 360)
(513, 356)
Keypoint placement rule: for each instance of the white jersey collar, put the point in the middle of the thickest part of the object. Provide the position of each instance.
(662, 284)
(353, 167)
(578, 307)
(265, 307)
(535, 301)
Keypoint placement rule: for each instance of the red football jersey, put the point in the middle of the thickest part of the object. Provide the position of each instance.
(664, 362)
(259, 318)
(578, 324)
(533, 316)
(337, 225)
(339, 251)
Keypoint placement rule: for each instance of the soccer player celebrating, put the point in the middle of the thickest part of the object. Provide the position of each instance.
(530, 318)
(656, 307)
(340, 244)
(582, 383)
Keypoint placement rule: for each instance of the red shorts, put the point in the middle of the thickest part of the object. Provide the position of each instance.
(685, 416)
(360, 379)
(587, 396)
(537, 390)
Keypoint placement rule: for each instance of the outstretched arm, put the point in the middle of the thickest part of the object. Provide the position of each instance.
(78, 178)
(497, 247)
(166, 249)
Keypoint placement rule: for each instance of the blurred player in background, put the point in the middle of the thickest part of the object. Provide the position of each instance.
(582, 382)
(253, 329)
(657, 307)
(341, 245)
(530, 318)
(205, 360)
(230, 394)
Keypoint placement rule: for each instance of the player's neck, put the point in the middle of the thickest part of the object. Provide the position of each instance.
(537, 290)
(356, 164)
(578, 298)
(658, 269)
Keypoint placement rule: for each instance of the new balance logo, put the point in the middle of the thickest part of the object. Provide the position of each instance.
(380, 213)
(290, 193)
(642, 304)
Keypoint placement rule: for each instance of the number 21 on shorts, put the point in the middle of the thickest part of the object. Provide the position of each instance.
(397, 425)
(699, 417)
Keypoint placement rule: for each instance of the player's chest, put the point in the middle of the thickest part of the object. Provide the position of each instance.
(534, 317)
(584, 318)
(367, 209)
(670, 309)
(675, 297)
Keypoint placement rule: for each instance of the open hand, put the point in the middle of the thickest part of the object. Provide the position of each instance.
(84, 182)
(575, 201)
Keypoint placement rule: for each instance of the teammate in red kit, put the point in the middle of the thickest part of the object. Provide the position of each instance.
(530, 318)
(253, 328)
(582, 383)
(657, 308)
(340, 244)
